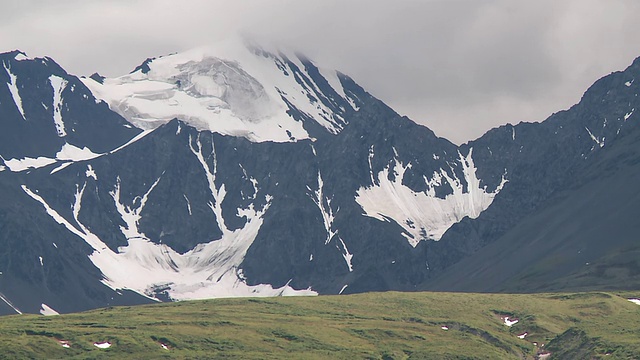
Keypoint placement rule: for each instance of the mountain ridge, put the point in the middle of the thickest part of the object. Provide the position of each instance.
(377, 203)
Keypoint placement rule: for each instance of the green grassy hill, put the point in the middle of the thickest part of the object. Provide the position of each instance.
(367, 326)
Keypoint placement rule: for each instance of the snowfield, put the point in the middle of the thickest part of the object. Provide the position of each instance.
(233, 88)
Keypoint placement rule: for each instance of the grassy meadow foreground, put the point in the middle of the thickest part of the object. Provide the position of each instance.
(370, 326)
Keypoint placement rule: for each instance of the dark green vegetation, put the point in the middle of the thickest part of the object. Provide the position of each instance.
(370, 326)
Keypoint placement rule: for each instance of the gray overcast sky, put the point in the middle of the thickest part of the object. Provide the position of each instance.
(458, 66)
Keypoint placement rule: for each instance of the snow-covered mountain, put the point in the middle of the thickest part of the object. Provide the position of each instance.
(233, 88)
(239, 170)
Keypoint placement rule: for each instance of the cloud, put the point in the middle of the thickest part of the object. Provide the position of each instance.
(458, 66)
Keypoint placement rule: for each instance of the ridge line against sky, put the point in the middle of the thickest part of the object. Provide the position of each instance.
(459, 67)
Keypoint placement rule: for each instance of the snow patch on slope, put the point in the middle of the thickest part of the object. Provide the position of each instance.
(230, 88)
(423, 215)
(18, 165)
(73, 153)
(91, 173)
(345, 254)
(130, 214)
(334, 81)
(68, 152)
(594, 138)
(323, 203)
(20, 56)
(58, 85)
(13, 88)
(635, 301)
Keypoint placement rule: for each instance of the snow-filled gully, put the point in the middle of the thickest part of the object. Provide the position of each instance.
(58, 85)
(206, 271)
(423, 215)
(323, 204)
(13, 89)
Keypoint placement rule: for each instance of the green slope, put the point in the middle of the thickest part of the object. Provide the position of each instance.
(368, 326)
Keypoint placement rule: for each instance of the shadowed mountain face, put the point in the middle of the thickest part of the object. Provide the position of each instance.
(259, 173)
(564, 164)
(584, 236)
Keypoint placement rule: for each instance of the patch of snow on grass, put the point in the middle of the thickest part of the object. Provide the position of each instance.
(635, 301)
(21, 57)
(46, 310)
(102, 345)
(510, 322)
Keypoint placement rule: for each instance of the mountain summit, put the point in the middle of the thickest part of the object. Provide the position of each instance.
(236, 88)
